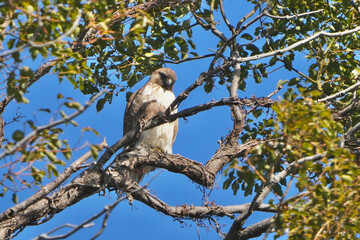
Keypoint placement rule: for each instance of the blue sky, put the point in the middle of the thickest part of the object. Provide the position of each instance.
(197, 140)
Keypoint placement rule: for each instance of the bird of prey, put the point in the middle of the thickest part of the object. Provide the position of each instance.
(150, 100)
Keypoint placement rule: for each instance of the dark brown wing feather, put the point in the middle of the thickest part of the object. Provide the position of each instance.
(140, 107)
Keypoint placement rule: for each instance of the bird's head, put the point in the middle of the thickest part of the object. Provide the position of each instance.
(165, 77)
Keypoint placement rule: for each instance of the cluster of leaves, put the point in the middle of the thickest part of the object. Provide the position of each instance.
(125, 42)
(330, 210)
(35, 157)
(137, 48)
(303, 128)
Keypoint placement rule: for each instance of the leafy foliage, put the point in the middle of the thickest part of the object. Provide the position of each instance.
(113, 45)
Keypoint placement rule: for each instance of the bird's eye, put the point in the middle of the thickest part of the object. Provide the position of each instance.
(162, 75)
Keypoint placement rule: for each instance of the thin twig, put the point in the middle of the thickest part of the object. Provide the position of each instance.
(228, 24)
(65, 119)
(107, 209)
(59, 39)
(38, 45)
(189, 59)
(48, 188)
(297, 44)
(292, 16)
(341, 93)
(264, 192)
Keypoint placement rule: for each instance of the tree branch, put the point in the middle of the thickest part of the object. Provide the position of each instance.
(190, 59)
(236, 228)
(48, 188)
(107, 210)
(198, 212)
(228, 24)
(256, 229)
(38, 45)
(341, 93)
(132, 135)
(292, 16)
(295, 45)
(35, 132)
(95, 179)
(89, 183)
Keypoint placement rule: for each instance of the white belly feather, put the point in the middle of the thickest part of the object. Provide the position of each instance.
(160, 137)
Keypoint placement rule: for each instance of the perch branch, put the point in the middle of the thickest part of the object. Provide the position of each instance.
(48, 188)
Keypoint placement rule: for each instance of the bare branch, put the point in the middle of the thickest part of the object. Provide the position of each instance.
(239, 29)
(107, 210)
(275, 92)
(41, 71)
(292, 16)
(256, 229)
(174, 163)
(295, 45)
(48, 188)
(228, 24)
(89, 183)
(190, 59)
(352, 131)
(195, 171)
(210, 26)
(226, 153)
(354, 105)
(46, 236)
(186, 211)
(238, 116)
(341, 93)
(233, 101)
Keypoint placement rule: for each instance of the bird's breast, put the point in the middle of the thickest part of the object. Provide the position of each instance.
(162, 96)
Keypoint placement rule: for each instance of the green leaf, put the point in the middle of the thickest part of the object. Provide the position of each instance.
(281, 83)
(257, 76)
(208, 86)
(52, 170)
(278, 190)
(59, 96)
(288, 63)
(100, 104)
(247, 36)
(50, 155)
(45, 110)
(74, 123)
(94, 152)
(257, 113)
(11, 43)
(86, 129)
(15, 198)
(67, 154)
(63, 114)
(18, 135)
